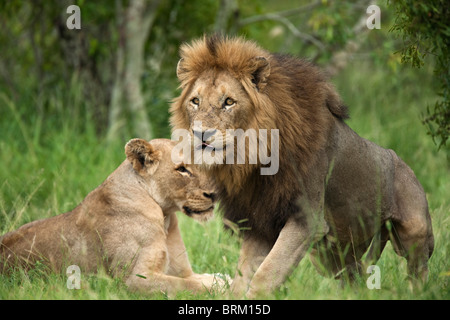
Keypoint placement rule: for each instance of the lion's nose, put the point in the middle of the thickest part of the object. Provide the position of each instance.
(204, 135)
(211, 195)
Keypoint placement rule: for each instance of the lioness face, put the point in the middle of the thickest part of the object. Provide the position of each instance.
(173, 184)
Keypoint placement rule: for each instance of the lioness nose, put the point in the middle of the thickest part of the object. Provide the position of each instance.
(211, 195)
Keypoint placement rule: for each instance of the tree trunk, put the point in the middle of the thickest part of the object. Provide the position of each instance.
(227, 8)
(127, 97)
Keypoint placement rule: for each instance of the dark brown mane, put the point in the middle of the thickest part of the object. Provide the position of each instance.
(297, 99)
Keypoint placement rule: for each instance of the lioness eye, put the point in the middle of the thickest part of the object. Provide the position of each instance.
(195, 101)
(182, 169)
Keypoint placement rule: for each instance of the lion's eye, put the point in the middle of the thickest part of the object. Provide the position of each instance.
(228, 102)
(195, 101)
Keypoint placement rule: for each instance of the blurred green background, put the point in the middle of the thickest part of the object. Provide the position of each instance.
(70, 99)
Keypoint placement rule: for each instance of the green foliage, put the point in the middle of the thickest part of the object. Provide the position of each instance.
(425, 30)
(315, 32)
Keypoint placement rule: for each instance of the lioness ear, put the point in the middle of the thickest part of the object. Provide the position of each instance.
(260, 72)
(142, 155)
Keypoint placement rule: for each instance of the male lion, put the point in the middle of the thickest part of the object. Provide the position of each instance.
(334, 191)
(127, 224)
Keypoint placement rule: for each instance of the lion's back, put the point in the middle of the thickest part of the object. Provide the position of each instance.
(307, 80)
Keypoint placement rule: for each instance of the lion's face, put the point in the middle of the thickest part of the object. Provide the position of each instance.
(172, 184)
(216, 103)
(219, 102)
(218, 108)
(222, 100)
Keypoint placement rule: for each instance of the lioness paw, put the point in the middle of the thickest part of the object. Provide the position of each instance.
(215, 282)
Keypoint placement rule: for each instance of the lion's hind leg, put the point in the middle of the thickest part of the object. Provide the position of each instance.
(412, 234)
(376, 248)
(340, 260)
(414, 240)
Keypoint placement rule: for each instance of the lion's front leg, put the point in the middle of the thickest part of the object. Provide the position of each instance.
(180, 266)
(293, 242)
(149, 275)
(252, 254)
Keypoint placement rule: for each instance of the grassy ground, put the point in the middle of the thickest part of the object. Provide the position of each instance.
(49, 163)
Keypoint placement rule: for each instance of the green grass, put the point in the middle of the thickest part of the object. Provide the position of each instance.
(50, 161)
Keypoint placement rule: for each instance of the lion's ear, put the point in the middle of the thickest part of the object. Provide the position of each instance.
(260, 67)
(180, 70)
(143, 156)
